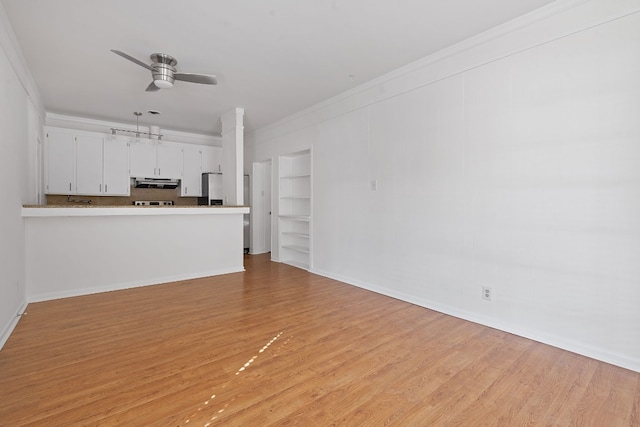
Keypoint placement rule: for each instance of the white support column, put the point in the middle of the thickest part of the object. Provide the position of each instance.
(233, 154)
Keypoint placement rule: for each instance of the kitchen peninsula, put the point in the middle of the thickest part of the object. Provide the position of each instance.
(78, 250)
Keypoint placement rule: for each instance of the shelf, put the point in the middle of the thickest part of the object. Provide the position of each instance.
(303, 175)
(297, 248)
(291, 233)
(294, 209)
(305, 218)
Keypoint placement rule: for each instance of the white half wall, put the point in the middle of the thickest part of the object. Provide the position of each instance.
(509, 161)
(77, 255)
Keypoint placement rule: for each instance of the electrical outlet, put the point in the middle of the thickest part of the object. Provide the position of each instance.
(486, 293)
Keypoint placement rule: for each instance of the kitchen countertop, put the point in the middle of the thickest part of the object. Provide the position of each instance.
(133, 206)
(94, 210)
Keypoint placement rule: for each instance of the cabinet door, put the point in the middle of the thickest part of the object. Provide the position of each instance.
(217, 159)
(142, 159)
(60, 163)
(116, 168)
(88, 165)
(211, 159)
(191, 185)
(169, 161)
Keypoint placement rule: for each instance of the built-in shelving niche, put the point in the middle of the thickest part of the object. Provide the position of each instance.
(295, 209)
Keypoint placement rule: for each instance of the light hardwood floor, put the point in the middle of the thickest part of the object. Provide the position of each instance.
(279, 346)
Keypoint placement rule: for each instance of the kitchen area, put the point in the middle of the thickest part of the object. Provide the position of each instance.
(125, 211)
(161, 192)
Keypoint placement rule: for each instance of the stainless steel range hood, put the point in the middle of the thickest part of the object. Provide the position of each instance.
(167, 183)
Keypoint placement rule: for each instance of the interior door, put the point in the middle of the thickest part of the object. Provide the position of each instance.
(268, 182)
(261, 207)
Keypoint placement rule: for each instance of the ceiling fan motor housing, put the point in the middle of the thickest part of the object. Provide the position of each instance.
(163, 68)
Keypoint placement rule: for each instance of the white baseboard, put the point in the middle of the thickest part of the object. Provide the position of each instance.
(259, 252)
(535, 335)
(128, 285)
(6, 332)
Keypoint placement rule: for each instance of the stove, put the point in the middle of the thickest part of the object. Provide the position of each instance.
(153, 203)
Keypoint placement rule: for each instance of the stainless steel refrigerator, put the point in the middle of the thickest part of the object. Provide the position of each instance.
(246, 202)
(212, 190)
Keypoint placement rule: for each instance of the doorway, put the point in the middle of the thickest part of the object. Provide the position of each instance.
(261, 185)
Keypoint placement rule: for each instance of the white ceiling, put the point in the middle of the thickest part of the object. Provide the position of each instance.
(271, 57)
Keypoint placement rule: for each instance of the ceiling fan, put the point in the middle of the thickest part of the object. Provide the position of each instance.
(163, 70)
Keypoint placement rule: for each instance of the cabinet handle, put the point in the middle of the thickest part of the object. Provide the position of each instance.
(106, 186)
(159, 173)
(69, 186)
(100, 188)
(154, 171)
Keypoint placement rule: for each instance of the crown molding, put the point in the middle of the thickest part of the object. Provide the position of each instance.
(551, 22)
(104, 126)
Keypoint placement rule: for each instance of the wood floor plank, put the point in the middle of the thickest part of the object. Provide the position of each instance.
(276, 345)
(344, 377)
(559, 391)
(608, 397)
(446, 393)
(323, 355)
(633, 419)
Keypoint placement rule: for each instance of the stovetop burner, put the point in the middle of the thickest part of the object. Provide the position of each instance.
(153, 203)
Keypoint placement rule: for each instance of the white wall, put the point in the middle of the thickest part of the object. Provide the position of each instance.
(509, 161)
(19, 106)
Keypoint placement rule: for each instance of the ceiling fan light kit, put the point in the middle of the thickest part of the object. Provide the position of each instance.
(164, 72)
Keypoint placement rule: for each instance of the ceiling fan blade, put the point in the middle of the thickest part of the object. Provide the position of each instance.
(206, 79)
(132, 59)
(152, 87)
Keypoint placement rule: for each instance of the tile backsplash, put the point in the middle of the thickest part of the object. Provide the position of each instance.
(136, 194)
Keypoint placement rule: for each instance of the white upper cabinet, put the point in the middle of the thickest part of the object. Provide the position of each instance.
(169, 161)
(211, 159)
(143, 160)
(60, 162)
(94, 164)
(116, 167)
(152, 159)
(88, 164)
(192, 172)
